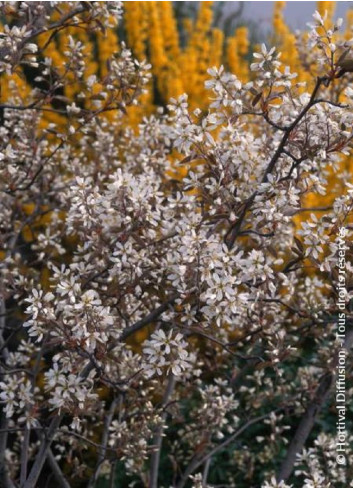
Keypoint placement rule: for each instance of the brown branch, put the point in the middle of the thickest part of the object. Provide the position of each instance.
(157, 439)
(308, 420)
(43, 452)
(27, 433)
(235, 229)
(60, 23)
(150, 318)
(196, 462)
(279, 151)
(59, 476)
(56, 421)
(5, 480)
(104, 442)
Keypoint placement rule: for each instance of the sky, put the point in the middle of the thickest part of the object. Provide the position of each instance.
(297, 14)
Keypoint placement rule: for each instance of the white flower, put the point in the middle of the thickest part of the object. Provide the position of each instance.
(165, 352)
(264, 57)
(88, 300)
(39, 303)
(318, 18)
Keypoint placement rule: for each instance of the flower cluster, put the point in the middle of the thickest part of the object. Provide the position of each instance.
(166, 352)
(15, 48)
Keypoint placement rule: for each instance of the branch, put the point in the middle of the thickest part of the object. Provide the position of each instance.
(150, 318)
(5, 480)
(308, 420)
(279, 151)
(205, 472)
(195, 463)
(87, 440)
(43, 452)
(32, 107)
(104, 442)
(27, 433)
(24, 455)
(59, 476)
(58, 24)
(56, 421)
(235, 229)
(157, 439)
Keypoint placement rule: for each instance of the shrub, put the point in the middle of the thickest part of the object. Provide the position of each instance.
(160, 331)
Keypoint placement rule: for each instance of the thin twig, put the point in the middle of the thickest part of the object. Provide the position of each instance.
(150, 318)
(56, 421)
(196, 462)
(5, 480)
(157, 439)
(235, 230)
(27, 433)
(104, 442)
(205, 472)
(43, 452)
(308, 420)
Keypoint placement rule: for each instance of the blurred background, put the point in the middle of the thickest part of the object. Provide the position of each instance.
(296, 14)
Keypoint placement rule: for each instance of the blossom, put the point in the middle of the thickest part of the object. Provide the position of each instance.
(264, 58)
(39, 303)
(165, 352)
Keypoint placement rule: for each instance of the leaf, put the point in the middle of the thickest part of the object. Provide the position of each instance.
(347, 64)
(256, 99)
(188, 159)
(273, 251)
(299, 244)
(343, 56)
(253, 91)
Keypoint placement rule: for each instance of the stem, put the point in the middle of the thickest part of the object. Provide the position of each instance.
(290, 128)
(24, 456)
(55, 424)
(157, 439)
(308, 420)
(152, 316)
(59, 476)
(205, 472)
(27, 433)
(104, 442)
(5, 480)
(196, 462)
(112, 474)
(43, 452)
(235, 229)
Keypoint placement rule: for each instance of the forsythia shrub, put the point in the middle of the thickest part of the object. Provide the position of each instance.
(164, 332)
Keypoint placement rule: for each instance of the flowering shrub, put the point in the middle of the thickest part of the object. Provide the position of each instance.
(152, 328)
